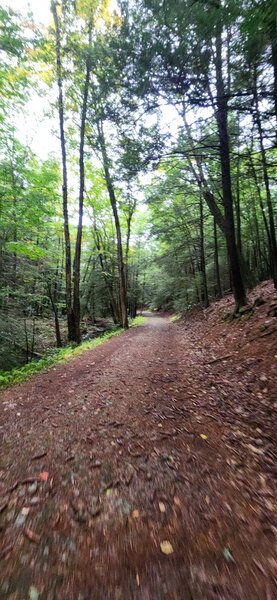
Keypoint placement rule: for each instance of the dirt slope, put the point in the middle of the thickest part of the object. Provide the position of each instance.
(145, 468)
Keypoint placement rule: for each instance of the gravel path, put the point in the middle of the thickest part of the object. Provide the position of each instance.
(126, 475)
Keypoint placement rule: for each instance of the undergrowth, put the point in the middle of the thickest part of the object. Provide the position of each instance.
(56, 355)
(139, 320)
(174, 318)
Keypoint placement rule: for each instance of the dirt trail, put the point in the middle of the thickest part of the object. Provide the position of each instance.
(136, 443)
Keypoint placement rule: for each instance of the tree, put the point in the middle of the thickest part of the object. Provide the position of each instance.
(73, 296)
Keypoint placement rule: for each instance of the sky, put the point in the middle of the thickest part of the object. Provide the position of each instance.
(34, 127)
(40, 8)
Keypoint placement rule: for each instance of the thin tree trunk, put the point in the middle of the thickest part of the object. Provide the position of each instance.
(273, 38)
(112, 302)
(273, 244)
(216, 263)
(260, 200)
(131, 209)
(33, 338)
(15, 240)
(69, 311)
(238, 215)
(77, 256)
(202, 255)
(26, 341)
(258, 239)
(226, 222)
(121, 268)
(56, 317)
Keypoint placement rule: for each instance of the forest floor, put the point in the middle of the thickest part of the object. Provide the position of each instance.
(144, 469)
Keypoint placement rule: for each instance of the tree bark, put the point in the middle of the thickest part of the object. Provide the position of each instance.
(273, 39)
(121, 267)
(224, 152)
(109, 288)
(56, 317)
(216, 263)
(238, 215)
(202, 255)
(69, 310)
(273, 242)
(77, 256)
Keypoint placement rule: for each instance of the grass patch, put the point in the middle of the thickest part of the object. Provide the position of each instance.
(174, 318)
(52, 357)
(139, 320)
(55, 356)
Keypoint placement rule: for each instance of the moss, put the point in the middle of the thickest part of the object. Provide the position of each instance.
(249, 315)
(243, 310)
(229, 317)
(259, 301)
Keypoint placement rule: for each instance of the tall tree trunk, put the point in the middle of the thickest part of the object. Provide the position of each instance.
(77, 256)
(69, 310)
(216, 263)
(226, 221)
(260, 199)
(273, 242)
(273, 39)
(258, 241)
(224, 151)
(107, 279)
(56, 317)
(121, 267)
(238, 215)
(202, 254)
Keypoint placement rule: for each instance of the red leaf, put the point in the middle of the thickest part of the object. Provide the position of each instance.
(44, 476)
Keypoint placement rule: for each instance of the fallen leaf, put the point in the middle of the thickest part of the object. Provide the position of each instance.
(166, 547)
(177, 501)
(33, 593)
(33, 488)
(25, 510)
(44, 476)
(228, 555)
(254, 449)
(203, 436)
(32, 536)
(162, 507)
(20, 520)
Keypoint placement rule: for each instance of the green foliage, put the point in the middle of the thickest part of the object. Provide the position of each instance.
(54, 357)
(152, 105)
(139, 320)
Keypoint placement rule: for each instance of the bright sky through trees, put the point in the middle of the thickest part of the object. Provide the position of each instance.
(34, 127)
(40, 8)
(158, 106)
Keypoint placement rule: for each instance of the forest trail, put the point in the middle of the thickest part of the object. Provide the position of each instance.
(140, 470)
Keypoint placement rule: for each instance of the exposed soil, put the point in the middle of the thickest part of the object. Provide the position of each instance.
(145, 469)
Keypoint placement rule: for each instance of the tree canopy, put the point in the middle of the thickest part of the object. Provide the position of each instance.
(161, 191)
